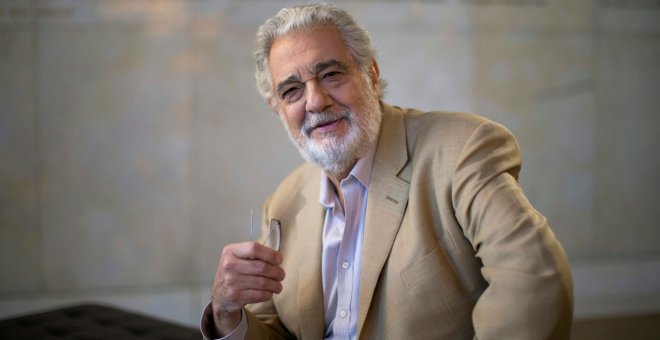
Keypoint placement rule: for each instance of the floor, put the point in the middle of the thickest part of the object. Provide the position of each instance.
(646, 327)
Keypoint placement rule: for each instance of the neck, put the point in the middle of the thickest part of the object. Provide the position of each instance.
(336, 176)
(340, 170)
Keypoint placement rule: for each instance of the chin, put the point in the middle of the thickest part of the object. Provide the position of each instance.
(333, 156)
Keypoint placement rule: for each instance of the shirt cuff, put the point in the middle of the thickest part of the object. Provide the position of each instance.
(207, 326)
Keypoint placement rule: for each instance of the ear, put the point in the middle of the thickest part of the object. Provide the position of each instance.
(375, 76)
(272, 103)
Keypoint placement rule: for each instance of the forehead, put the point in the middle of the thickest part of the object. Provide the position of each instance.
(296, 53)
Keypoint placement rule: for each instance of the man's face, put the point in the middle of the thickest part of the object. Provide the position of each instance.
(330, 109)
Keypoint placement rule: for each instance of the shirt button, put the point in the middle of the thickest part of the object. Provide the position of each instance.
(345, 265)
(343, 314)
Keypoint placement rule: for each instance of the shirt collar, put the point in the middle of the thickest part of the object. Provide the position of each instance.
(361, 171)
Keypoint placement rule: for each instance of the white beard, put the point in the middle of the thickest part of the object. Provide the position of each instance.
(335, 154)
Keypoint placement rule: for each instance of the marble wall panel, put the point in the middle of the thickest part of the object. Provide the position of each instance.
(19, 149)
(424, 53)
(616, 287)
(434, 77)
(627, 182)
(114, 125)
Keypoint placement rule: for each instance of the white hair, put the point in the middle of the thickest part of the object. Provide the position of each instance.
(307, 17)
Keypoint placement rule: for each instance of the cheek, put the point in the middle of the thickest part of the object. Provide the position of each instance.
(292, 118)
(351, 95)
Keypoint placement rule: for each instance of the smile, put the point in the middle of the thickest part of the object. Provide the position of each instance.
(323, 125)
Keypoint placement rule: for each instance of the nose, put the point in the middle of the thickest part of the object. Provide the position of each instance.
(318, 97)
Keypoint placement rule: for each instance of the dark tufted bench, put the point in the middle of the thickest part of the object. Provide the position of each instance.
(92, 322)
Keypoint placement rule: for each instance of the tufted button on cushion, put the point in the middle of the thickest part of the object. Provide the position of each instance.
(93, 322)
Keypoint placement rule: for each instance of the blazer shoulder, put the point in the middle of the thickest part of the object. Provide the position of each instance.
(451, 128)
(445, 122)
(298, 179)
(303, 180)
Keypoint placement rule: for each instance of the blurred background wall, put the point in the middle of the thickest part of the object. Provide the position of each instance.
(133, 143)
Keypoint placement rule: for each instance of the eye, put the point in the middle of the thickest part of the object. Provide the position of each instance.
(332, 75)
(290, 94)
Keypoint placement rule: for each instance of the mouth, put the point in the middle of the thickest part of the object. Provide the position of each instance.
(324, 125)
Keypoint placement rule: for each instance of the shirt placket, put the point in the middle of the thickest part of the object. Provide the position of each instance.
(345, 273)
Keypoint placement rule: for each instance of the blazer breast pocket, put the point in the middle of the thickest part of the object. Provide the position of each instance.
(432, 283)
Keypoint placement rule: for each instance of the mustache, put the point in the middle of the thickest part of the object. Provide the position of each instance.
(316, 119)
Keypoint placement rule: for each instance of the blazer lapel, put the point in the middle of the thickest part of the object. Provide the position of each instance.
(310, 240)
(388, 197)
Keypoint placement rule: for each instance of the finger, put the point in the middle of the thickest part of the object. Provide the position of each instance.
(251, 282)
(255, 250)
(260, 268)
(248, 296)
(238, 266)
(233, 292)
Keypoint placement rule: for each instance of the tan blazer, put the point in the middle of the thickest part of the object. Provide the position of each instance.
(452, 248)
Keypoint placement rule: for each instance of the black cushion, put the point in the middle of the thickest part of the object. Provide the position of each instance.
(92, 322)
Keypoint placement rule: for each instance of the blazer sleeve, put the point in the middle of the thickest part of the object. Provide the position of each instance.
(530, 289)
(259, 326)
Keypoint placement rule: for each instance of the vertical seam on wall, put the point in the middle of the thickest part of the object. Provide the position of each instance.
(37, 158)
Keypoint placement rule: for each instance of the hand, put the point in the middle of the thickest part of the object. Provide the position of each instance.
(248, 272)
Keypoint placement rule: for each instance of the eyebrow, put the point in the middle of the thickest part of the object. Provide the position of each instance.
(293, 79)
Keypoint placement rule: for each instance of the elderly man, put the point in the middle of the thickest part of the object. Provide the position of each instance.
(402, 225)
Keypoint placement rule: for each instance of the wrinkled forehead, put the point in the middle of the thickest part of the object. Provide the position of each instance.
(299, 52)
